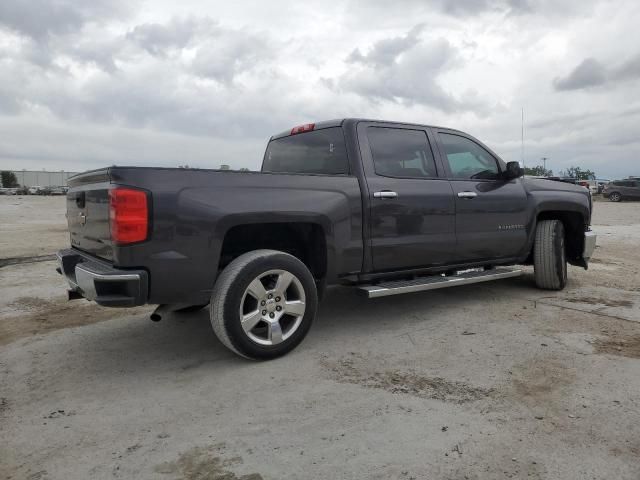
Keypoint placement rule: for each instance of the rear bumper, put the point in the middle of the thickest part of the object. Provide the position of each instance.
(589, 244)
(99, 281)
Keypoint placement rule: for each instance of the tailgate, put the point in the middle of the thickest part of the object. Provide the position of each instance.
(88, 213)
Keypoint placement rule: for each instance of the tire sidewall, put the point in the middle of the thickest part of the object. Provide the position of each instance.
(560, 254)
(550, 258)
(235, 293)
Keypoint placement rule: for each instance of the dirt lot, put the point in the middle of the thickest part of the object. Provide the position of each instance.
(480, 382)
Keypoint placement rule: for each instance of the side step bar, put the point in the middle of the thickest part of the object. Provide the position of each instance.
(396, 287)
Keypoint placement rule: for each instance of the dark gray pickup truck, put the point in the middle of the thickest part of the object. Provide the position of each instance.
(384, 207)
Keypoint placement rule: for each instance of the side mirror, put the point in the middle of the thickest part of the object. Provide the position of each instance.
(513, 171)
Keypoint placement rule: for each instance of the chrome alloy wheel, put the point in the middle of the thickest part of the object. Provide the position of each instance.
(272, 307)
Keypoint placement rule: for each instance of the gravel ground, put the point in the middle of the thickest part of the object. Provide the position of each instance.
(487, 381)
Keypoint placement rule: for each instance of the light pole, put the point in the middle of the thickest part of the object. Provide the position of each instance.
(544, 165)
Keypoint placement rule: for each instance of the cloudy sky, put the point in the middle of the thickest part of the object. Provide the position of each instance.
(89, 83)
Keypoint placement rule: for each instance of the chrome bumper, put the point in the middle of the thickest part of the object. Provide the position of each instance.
(589, 244)
(97, 280)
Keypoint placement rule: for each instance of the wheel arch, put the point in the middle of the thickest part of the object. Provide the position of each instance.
(574, 223)
(306, 240)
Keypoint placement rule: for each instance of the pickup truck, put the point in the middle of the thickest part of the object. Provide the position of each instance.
(382, 207)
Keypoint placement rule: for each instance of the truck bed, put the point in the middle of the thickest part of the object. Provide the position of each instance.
(192, 210)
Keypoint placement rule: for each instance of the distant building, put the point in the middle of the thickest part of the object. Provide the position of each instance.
(43, 178)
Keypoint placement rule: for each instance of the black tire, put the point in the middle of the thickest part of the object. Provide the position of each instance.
(615, 197)
(549, 255)
(230, 294)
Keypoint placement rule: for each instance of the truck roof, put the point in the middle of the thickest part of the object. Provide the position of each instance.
(338, 122)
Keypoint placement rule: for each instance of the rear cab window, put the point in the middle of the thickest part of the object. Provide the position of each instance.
(321, 152)
(401, 153)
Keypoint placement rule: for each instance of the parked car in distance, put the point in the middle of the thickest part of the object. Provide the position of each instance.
(8, 191)
(622, 190)
(591, 185)
(59, 190)
(382, 207)
(34, 190)
(602, 182)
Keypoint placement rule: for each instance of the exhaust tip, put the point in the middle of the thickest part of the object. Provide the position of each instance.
(157, 314)
(73, 295)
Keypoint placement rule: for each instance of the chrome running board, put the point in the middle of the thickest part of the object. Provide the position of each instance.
(397, 287)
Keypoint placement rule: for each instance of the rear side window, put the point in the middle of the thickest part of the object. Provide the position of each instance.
(320, 152)
(467, 159)
(398, 152)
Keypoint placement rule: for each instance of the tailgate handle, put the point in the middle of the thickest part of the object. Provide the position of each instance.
(80, 196)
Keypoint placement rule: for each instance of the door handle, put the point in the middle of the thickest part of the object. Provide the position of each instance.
(468, 195)
(385, 194)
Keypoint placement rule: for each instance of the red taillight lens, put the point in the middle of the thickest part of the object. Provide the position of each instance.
(307, 127)
(128, 215)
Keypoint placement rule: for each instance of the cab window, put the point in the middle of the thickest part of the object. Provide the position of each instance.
(468, 160)
(399, 152)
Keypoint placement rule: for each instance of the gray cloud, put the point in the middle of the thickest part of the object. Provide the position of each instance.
(40, 18)
(385, 52)
(406, 70)
(152, 89)
(589, 73)
(404, 9)
(157, 38)
(628, 70)
(230, 53)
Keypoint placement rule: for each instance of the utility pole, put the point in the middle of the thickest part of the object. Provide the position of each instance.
(522, 138)
(544, 164)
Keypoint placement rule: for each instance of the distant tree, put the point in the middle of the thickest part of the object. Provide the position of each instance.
(9, 179)
(244, 169)
(580, 174)
(538, 171)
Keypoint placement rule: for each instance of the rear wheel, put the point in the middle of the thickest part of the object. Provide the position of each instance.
(549, 256)
(615, 197)
(263, 304)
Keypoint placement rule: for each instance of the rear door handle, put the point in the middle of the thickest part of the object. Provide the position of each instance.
(385, 194)
(467, 195)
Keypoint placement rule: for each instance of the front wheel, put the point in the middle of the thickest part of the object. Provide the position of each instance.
(263, 304)
(615, 197)
(549, 256)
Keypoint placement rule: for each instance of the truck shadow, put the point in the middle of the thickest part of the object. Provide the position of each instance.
(182, 343)
(343, 304)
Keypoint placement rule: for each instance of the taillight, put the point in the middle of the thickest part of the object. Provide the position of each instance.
(307, 127)
(128, 215)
